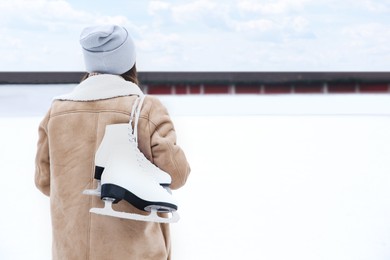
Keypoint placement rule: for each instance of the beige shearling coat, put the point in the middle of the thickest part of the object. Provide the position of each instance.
(69, 136)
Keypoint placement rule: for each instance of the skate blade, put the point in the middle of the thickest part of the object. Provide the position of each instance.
(152, 217)
(95, 192)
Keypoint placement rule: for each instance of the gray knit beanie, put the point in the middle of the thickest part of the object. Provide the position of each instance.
(107, 49)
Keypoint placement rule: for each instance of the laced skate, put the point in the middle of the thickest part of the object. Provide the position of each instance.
(130, 176)
(116, 134)
(124, 179)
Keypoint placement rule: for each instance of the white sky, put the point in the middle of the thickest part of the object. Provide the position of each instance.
(201, 35)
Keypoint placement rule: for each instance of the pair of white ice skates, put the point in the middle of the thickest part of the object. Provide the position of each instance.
(123, 172)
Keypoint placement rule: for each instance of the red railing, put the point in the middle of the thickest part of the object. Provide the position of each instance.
(197, 83)
(318, 88)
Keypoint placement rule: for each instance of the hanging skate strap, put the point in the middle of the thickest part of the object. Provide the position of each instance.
(135, 113)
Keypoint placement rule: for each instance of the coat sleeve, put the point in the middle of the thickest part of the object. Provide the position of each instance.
(42, 161)
(167, 155)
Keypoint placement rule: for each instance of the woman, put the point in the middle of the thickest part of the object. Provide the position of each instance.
(69, 136)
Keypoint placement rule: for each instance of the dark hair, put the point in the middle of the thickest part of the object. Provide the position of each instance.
(130, 75)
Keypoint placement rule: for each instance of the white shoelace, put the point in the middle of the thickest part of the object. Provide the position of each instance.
(133, 132)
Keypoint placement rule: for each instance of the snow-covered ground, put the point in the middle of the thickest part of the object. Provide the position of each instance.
(273, 177)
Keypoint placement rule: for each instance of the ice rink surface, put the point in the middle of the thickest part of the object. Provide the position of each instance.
(275, 177)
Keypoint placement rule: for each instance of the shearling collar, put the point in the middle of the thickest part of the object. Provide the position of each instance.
(102, 86)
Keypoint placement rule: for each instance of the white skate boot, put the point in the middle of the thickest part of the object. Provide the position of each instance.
(125, 178)
(114, 135)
